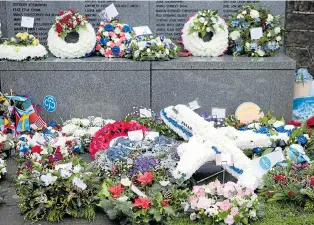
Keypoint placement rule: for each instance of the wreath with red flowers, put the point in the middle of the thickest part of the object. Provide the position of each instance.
(69, 21)
(101, 139)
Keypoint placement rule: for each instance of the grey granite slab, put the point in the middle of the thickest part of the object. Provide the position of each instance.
(96, 63)
(270, 89)
(110, 94)
(278, 62)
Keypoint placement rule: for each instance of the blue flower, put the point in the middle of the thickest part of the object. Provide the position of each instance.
(46, 131)
(235, 23)
(238, 48)
(281, 129)
(254, 46)
(263, 130)
(115, 50)
(245, 24)
(244, 128)
(258, 20)
(103, 41)
(303, 75)
(24, 149)
(271, 46)
(109, 27)
(257, 150)
(301, 140)
(127, 28)
(52, 124)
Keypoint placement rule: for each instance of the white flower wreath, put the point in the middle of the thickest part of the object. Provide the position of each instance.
(67, 22)
(22, 46)
(201, 25)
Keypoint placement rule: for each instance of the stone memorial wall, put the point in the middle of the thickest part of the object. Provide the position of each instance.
(163, 17)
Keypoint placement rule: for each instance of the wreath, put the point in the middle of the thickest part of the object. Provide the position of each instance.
(71, 36)
(101, 139)
(23, 46)
(113, 38)
(205, 34)
(150, 48)
(265, 28)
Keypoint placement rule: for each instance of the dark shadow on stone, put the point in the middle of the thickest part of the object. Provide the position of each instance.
(208, 37)
(72, 37)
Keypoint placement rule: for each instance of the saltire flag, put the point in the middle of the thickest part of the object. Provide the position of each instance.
(23, 123)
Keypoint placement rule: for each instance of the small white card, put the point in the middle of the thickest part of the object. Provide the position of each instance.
(145, 113)
(194, 105)
(142, 30)
(137, 191)
(224, 159)
(256, 33)
(219, 113)
(27, 22)
(111, 11)
(151, 135)
(136, 135)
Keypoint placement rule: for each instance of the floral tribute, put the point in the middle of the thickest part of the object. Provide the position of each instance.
(303, 75)
(113, 38)
(101, 139)
(3, 168)
(229, 203)
(138, 187)
(150, 48)
(23, 46)
(265, 28)
(71, 23)
(205, 34)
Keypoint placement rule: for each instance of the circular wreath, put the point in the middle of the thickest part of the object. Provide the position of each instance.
(264, 43)
(22, 46)
(113, 38)
(71, 36)
(101, 139)
(205, 34)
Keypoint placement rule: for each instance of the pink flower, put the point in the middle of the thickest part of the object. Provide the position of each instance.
(121, 54)
(229, 220)
(98, 47)
(100, 28)
(97, 38)
(123, 39)
(122, 34)
(224, 206)
(204, 203)
(199, 191)
(118, 43)
(186, 207)
(108, 53)
(193, 216)
(249, 191)
(111, 34)
(111, 44)
(194, 204)
(234, 211)
(240, 193)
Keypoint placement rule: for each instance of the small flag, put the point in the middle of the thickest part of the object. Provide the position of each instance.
(23, 123)
(39, 123)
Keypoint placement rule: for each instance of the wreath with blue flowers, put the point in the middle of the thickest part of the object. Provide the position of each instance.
(266, 43)
(113, 38)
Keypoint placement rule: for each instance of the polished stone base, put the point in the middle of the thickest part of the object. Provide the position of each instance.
(111, 87)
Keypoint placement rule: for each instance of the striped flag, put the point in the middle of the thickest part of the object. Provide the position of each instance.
(23, 123)
(39, 123)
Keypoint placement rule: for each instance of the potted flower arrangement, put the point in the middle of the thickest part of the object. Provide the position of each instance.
(303, 83)
(229, 203)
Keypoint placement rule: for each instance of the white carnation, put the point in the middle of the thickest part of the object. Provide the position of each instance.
(234, 35)
(277, 30)
(202, 20)
(260, 52)
(270, 18)
(254, 14)
(244, 12)
(240, 16)
(278, 38)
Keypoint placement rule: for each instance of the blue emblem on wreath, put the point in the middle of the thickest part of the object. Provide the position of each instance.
(265, 163)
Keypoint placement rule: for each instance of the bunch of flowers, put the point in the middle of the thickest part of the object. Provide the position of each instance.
(71, 22)
(150, 48)
(102, 137)
(205, 34)
(6, 145)
(293, 183)
(303, 75)
(240, 28)
(3, 169)
(23, 46)
(113, 38)
(227, 203)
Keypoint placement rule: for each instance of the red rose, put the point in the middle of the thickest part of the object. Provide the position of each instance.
(51, 159)
(64, 21)
(269, 193)
(143, 203)
(58, 27)
(312, 181)
(116, 190)
(146, 178)
(61, 13)
(27, 153)
(59, 35)
(78, 20)
(71, 25)
(86, 17)
(36, 149)
(71, 11)
(294, 123)
(278, 177)
(58, 150)
(68, 17)
(165, 203)
(290, 193)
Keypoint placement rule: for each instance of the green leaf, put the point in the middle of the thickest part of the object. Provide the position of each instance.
(267, 150)
(157, 216)
(169, 211)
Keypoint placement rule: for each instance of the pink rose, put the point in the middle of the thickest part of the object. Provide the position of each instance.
(123, 39)
(122, 34)
(199, 191)
(224, 206)
(249, 191)
(234, 211)
(121, 54)
(120, 27)
(98, 38)
(108, 53)
(111, 33)
(111, 44)
(204, 203)
(229, 220)
(194, 204)
(98, 47)
(240, 193)
(118, 43)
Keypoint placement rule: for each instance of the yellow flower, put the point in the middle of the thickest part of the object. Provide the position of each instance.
(17, 49)
(24, 36)
(31, 36)
(35, 42)
(18, 35)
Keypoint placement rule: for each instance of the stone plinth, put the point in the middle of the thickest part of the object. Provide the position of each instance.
(82, 87)
(225, 82)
